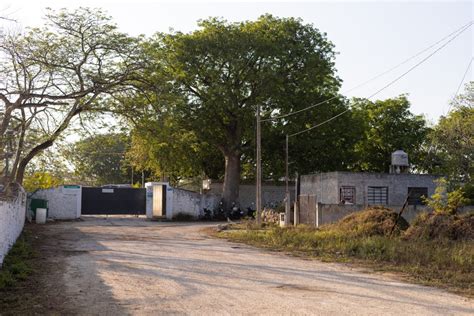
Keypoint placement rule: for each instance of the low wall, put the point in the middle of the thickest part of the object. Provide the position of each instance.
(272, 195)
(181, 201)
(330, 213)
(64, 202)
(193, 203)
(12, 220)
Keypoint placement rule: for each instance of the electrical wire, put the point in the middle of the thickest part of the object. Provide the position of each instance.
(455, 34)
(462, 81)
(389, 84)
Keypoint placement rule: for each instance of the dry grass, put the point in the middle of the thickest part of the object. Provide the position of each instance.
(364, 238)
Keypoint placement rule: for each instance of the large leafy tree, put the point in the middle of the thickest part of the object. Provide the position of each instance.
(100, 159)
(52, 75)
(219, 73)
(452, 140)
(387, 125)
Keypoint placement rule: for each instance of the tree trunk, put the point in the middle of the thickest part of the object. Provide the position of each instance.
(230, 191)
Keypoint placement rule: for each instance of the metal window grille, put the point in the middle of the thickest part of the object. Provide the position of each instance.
(347, 194)
(377, 195)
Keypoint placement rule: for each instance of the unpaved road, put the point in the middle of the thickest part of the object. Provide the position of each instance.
(122, 266)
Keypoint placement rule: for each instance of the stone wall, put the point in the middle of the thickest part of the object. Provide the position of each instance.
(64, 202)
(12, 220)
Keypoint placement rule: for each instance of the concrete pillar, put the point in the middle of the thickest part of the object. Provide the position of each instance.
(319, 214)
(297, 214)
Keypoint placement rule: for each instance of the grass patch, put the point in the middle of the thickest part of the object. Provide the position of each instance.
(441, 262)
(16, 265)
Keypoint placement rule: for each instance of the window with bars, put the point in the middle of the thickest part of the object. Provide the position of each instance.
(377, 195)
(416, 194)
(347, 194)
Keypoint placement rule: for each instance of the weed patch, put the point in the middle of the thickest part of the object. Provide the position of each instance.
(442, 262)
(16, 265)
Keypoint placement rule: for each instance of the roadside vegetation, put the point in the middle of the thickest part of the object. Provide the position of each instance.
(437, 249)
(16, 266)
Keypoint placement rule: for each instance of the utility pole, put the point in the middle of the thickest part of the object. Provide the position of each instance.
(287, 191)
(258, 193)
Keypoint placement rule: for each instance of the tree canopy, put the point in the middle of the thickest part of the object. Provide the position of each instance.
(100, 159)
(51, 75)
(388, 125)
(218, 74)
(451, 149)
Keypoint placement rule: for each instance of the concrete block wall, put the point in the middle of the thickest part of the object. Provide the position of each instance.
(272, 195)
(326, 185)
(12, 220)
(330, 213)
(64, 202)
(193, 203)
(181, 201)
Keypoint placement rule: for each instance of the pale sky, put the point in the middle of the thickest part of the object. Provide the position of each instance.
(370, 37)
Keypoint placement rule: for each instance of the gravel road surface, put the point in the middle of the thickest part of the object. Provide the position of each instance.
(131, 266)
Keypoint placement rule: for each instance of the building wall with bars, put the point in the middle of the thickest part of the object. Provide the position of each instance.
(327, 186)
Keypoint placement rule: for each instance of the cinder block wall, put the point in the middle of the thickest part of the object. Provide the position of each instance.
(192, 203)
(272, 195)
(326, 185)
(12, 220)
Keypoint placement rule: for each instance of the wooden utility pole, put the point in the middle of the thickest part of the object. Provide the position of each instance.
(258, 193)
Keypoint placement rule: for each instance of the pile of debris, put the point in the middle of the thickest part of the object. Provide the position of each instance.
(441, 226)
(374, 221)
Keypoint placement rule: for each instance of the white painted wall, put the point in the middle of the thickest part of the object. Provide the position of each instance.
(63, 202)
(149, 199)
(192, 203)
(12, 220)
(180, 201)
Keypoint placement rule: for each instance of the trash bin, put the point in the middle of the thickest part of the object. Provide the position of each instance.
(40, 215)
(38, 203)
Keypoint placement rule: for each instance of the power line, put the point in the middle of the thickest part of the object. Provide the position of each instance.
(389, 84)
(458, 31)
(460, 84)
(464, 76)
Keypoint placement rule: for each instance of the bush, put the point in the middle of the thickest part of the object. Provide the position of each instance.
(444, 202)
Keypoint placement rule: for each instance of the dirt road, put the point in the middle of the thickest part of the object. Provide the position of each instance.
(124, 266)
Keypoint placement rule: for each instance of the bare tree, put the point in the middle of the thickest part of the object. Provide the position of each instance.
(51, 75)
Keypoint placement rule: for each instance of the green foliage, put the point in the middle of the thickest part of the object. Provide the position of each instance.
(41, 180)
(207, 85)
(15, 265)
(444, 202)
(452, 140)
(388, 125)
(100, 159)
